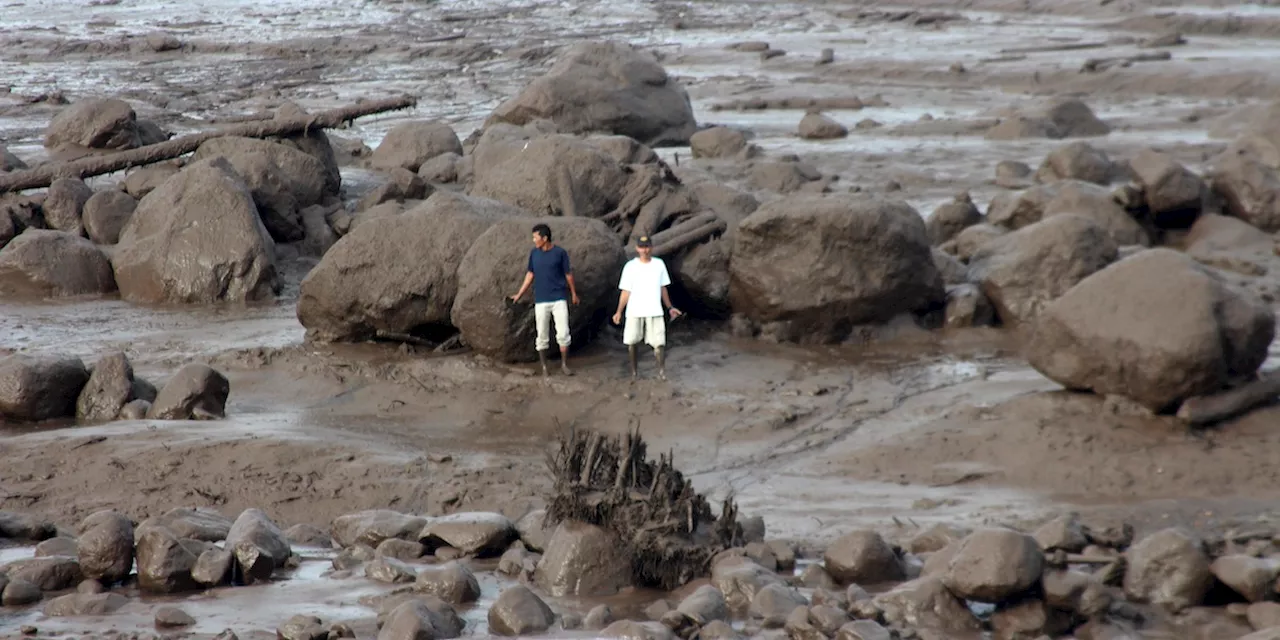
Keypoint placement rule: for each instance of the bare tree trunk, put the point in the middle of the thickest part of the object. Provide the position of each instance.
(43, 176)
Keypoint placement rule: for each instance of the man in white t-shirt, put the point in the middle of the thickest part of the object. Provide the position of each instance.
(644, 292)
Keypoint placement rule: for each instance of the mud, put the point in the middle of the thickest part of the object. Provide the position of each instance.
(915, 430)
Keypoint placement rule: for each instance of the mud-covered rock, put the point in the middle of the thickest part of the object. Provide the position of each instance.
(105, 546)
(1027, 620)
(164, 563)
(925, 603)
(372, 527)
(397, 274)
(442, 169)
(302, 627)
(717, 142)
(46, 263)
(49, 573)
(534, 531)
(1098, 337)
(1076, 592)
(732, 205)
(1253, 578)
(950, 218)
(705, 604)
(816, 126)
(1025, 270)
(1264, 615)
(785, 176)
(308, 535)
(609, 87)
(214, 567)
(1069, 118)
(146, 179)
(495, 266)
(1064, 532)
(549, 175)
(1016, 210)
(197, 239)
(479, 534)
(64, 205)
(700, 278)
(259, 545)
(110, 387)
(58, 546)
(1168, 568)
(967, 242)
(94, 123)
(739, 581)
(1173, 193)
(863, 630)
(39, 388)
(402, 186)
(771, 605)
(190, 523)
(633, 630)
(582, 560)
(9, 161)
(994, 565)
(824, 264)
(18, 592)
(1098, 205)
(411, 620)
(281, 179)
(196, 391)
(452, 582)
(401, 549)
(410, 144)
(172, 617)
(1249, 188)
(84, 604)
(1077, 161)
(862, 557)
(390, 571)
(518, 612)
(106, 213)
(967, 306)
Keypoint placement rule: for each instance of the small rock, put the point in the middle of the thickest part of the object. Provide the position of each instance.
(400, 549)
(518, 612)
(598, 618)
(389, 570)
(1168, 568)
(994, 565)
(302, 627)
(451, 582)
(1253, 578)
(815, 126)
(773, 603)
(862, 557)
(1064, 532)
(167, 617)
(196, 391)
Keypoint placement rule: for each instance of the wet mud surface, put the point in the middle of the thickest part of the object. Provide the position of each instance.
(916, 430)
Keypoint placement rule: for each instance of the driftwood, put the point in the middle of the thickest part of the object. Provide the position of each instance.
(44, 175)
(1093, 65)
(1201, 410)
(684, 233)
(665, 528)
(1075, 46)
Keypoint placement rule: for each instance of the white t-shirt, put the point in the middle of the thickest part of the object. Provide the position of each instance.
(645, 282)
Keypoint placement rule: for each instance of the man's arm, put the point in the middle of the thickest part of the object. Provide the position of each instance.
(622, 304)
(666, 299)
(528, 280)
(568, 277)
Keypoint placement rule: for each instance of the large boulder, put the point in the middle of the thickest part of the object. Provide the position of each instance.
(863, 557)
(40, 387)
(110, 387)
(1023, 271)
(313, 142)
(480, 533)
(582, 560)
(1098, 336)
(519, 612)
(397, 274)
(197, 239)
(606, 87)
(700, 278)
(409, 144)
(196, 391)
(372, 527)
(1249, 188)
(47, 263)
(717, 142)
(190, 523)
(1097, 203)
(494, 267)
(106, 213)
(105, 546)
(94, 123)
(282, 180)
(1168, 568)
(550, 175)
(164, 562)
(259, 545)
(925, 603)
(825, 264)
(994, 565)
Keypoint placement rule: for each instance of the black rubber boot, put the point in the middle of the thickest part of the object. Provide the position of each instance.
(631, 355)
(661, 354)
(542, 358)
(564, 363)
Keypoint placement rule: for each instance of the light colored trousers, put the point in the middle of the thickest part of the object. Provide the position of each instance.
(543, 313)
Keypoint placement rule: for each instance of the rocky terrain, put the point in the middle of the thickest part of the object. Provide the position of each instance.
(983, 310)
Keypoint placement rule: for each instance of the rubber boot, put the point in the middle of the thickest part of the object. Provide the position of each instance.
(631, 355)
(564, 363)
(661, 354)
(542, 358)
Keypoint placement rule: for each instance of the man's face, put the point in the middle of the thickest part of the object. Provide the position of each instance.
(538, 240)
(644, 252)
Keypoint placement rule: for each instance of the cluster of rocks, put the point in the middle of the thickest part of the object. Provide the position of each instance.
(1087, 253)
(45, 387)
(173, 553)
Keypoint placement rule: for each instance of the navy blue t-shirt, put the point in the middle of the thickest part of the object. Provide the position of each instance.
(549, 269)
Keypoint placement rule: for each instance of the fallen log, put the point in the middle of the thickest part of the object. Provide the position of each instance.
(1093, 65)
(1075, 46)
(1202, 410)
(44, 175)
(687, 232)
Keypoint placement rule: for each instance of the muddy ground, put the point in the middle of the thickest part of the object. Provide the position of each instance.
(916, 429)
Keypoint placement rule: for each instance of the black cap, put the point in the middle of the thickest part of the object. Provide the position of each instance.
(644, 241)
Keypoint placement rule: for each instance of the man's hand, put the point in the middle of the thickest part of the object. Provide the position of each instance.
(575, 299)
(516, 297)
(617, 318)
(675, 313)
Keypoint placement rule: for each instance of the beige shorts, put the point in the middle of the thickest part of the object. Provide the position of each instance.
(652, 330)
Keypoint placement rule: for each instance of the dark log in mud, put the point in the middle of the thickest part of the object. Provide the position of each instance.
(1206, 410)
(669, 531)
(43, 176)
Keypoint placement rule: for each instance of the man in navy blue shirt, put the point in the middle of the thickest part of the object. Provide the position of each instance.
(552, 281)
